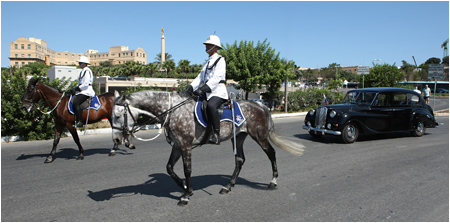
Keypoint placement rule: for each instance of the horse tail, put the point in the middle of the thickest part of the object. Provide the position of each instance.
(288, 145)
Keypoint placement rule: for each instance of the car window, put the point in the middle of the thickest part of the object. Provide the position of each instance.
(359, 97)
(401, 99)
(381, 100)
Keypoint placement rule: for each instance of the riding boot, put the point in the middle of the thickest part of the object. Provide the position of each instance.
(215, 136)
(78, 118)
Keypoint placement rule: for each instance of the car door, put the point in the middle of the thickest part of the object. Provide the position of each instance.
(401, 105)
(380, 115)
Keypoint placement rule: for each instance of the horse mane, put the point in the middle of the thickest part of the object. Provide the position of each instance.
(34, 81)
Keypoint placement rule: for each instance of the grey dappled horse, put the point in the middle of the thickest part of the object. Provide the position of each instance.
(184, 132)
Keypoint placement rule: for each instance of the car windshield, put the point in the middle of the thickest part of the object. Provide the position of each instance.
(359, 97)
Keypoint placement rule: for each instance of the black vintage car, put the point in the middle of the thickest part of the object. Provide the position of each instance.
(372, 111)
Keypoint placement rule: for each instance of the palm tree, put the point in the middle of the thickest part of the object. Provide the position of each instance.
(183, 65)
(158, 57)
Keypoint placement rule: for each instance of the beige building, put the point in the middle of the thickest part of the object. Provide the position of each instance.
(118, 55)
(24, 51)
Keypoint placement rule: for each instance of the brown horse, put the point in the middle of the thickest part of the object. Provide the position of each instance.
(58, 102)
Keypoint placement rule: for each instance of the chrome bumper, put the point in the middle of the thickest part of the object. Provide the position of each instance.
(323, 131)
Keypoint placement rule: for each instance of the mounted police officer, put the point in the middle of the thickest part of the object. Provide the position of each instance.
(211, 81)
(83, 90)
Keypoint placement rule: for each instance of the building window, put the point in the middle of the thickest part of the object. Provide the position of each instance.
(66, 63)
(29, 46)
(22, 46)
(143, 55)
(131, 54)
(15, 46)
(29, 55)
(23, 63)
(23, 55)
(17, 56)
(17, 63)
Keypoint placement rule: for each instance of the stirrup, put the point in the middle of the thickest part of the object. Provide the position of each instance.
(214, 139)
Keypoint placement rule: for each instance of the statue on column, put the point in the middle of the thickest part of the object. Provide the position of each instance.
(162, 31)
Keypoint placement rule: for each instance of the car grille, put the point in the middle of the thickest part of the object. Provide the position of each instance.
(321, 117)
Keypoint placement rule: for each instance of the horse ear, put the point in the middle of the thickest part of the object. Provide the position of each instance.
(116, 94)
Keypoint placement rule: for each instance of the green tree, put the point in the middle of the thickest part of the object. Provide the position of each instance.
(383, 75)
(158, 58)
(15, 121)
(183, 66)
(253, 66)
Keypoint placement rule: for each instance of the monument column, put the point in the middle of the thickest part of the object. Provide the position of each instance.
(163, 47)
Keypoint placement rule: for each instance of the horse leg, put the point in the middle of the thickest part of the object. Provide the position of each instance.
(239, 162)
(58, 130)
(177, 152)
(113, 150)
(270, 152)
(187, 166)
(128, 143)
(75, 137)
(174, 157)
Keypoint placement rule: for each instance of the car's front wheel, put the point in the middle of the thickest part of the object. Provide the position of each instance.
(350, 133)
(419, 128)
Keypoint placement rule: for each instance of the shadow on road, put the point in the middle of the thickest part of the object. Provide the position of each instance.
(329, 139)
(162, 185)
(71, 153)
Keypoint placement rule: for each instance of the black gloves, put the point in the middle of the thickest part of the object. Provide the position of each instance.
(74, 90)
(187, 92)
(202, 89)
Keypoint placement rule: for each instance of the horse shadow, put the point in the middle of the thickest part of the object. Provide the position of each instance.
(162, 185)
(72, 153)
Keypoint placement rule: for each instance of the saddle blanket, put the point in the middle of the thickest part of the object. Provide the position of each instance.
(95, 104)
(239, 118)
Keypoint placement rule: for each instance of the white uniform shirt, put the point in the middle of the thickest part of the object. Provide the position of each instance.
(85, 81)
(212, 77)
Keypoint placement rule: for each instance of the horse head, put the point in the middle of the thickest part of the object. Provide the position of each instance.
(31, 96)
(122, 120)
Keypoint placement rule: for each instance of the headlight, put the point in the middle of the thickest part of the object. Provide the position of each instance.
(312, 112)
(332, 114)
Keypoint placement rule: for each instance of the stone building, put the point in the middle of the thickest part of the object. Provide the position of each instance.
(24, 51)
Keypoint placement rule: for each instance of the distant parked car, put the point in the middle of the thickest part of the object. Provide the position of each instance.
(372, 111)
(120, 78)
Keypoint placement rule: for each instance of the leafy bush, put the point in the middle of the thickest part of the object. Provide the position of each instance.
(16, 121)
(303, 100)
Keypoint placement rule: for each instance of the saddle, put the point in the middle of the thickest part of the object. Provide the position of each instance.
(91, 103)
(224, 112)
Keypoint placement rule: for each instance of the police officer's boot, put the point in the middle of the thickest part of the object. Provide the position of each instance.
(215, 136)
(78, 117)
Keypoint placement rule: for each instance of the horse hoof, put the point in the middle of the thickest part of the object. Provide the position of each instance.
(224, 191)
(272, 185)
(48, 160)
(112, 154)
(183, 202)
(132, 146)
(80, 158)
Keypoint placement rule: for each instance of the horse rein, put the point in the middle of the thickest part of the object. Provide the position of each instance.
(135, 129)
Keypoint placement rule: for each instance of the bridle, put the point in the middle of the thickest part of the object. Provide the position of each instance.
(41, 96)
(126, 131)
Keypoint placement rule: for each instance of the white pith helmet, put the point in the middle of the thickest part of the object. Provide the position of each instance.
(213, 40)
(83, 59)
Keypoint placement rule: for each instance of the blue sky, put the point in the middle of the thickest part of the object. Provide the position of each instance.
(313, 34)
